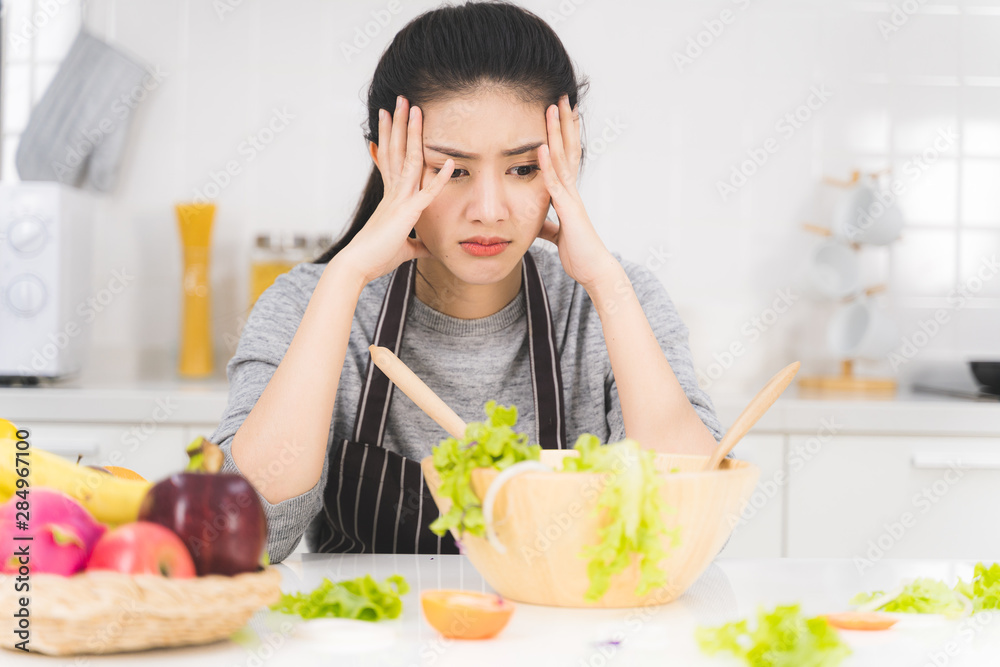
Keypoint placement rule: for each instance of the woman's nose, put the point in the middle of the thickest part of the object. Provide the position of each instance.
(488, 200)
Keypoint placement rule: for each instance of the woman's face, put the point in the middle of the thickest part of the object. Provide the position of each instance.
(496, 191)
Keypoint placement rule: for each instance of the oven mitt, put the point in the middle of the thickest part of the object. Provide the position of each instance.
(77, 130)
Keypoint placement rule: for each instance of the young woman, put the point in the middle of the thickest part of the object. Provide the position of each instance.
(474, 131)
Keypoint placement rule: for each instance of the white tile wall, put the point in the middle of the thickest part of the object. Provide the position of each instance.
(654, 186)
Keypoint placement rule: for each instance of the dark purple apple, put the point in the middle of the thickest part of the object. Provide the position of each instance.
(218, 516)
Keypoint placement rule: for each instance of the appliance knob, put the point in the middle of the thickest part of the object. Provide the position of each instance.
(26, 295)
(26, 236)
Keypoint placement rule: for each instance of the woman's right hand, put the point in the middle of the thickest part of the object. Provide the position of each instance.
(383, 243)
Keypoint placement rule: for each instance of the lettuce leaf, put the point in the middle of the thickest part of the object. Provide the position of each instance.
(363, 598)
(782, 638)
(489, 444)
(631, 502)
(984, 589)
(920, 596)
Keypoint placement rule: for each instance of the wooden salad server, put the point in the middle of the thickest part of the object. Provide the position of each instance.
(764, 399)
(419, 393)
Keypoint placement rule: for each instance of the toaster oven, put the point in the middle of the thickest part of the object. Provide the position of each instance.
(46, 242)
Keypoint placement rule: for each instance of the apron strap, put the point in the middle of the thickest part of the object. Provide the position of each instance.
(373, 408)
(546, 376)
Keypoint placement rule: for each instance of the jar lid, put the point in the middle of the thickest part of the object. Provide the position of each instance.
(280, 241)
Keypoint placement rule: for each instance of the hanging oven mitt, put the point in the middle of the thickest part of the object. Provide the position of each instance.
(77, 130)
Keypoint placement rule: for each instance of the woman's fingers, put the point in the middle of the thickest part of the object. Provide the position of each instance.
(549, 230)
(570, 123)
(397, 136)
(382, 149)
(417, 249)
(557, 156)
(552, 181)
(413, 162)
(427, 195)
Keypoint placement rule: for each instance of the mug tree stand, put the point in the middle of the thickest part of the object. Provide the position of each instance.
(847, 381)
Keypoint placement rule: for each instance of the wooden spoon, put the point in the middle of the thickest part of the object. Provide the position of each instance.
(419, 393)
(752, 412)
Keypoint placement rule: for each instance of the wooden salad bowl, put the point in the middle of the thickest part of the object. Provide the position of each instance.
(545, 519)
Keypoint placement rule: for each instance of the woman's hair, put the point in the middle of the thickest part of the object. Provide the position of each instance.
(452, 52)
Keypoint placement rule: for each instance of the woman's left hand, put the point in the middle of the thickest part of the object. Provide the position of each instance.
(583, 254)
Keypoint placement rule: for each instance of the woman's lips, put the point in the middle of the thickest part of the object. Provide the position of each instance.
(481, 250)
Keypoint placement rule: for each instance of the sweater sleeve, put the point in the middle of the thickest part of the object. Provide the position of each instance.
(672, 334)
(265, 338)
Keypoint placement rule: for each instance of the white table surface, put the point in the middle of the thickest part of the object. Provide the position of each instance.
(550, 636)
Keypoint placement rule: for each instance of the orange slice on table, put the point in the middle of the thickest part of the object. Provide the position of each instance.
(861, 620)
(466, 614)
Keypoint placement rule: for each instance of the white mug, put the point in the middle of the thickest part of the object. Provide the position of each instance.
(862, 216)
(861, 329)
(834, 269)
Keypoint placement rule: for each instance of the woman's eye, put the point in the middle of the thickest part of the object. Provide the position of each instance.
(524, 171)
(531, 168)
(455, 170)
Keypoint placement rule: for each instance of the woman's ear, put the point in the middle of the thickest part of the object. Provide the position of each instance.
(373, 149)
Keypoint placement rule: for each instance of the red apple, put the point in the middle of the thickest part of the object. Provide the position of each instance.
(218, 516)
(142, 547)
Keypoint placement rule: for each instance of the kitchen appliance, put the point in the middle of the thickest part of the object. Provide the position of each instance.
(983, 394)
(46, 232)
(987, 373)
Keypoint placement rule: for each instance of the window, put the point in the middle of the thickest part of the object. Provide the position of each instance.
(36, 35)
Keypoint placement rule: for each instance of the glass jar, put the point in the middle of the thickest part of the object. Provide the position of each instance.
(322, 243)
(274, 254)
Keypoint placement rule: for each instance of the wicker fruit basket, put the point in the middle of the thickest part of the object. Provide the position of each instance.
(98, 612)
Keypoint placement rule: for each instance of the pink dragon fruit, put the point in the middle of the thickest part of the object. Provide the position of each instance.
(64, 533)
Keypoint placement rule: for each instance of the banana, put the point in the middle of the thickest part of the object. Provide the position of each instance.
(7, 429)
(109, 499)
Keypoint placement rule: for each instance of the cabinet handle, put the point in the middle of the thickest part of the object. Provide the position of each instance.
(69, 448)
(947, 460)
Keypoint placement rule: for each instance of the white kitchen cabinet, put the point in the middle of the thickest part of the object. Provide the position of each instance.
(759, 531)
(152, 450)
(874, 497)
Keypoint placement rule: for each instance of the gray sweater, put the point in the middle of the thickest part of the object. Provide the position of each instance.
(466, 362)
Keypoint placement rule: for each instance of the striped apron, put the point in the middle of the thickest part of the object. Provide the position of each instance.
(375, 500)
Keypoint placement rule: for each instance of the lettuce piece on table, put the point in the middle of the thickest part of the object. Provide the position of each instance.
(920, 596)
(783, 638)
(363, 599)
(984, 589)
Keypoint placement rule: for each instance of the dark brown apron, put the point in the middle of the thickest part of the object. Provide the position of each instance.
(375, 500)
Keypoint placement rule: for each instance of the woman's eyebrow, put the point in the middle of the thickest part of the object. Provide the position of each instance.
(454, 152)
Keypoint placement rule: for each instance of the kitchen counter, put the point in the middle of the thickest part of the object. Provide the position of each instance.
(550, 636)
(129, 388)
